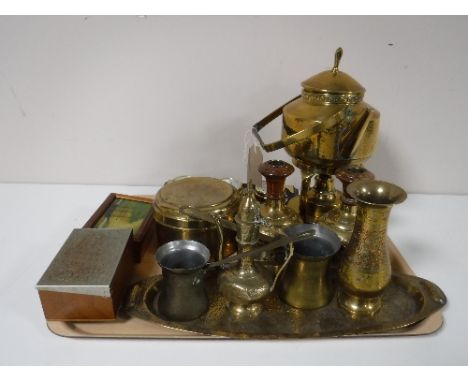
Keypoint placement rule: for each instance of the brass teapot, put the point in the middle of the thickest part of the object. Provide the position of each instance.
(327, 127)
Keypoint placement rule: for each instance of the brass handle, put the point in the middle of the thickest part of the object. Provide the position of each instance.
(333, 122)
(213, 218)
(268, 147)
(217, 219)
(205, 216)
(281, 242)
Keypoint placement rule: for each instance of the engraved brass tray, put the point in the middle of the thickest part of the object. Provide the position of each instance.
(132, 326)
(407, 300)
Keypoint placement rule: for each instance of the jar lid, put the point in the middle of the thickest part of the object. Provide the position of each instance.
(332, 87)
(202, 193)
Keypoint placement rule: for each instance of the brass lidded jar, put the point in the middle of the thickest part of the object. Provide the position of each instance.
(207, 195)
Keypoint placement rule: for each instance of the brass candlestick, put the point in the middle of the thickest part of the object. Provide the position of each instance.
(316, 201)
(365, 268)
(322, 198)
(341, 220)
(275, 213)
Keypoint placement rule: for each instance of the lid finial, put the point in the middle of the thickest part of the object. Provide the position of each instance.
(338, 55)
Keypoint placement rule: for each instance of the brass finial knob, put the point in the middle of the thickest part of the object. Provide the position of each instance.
(338, 55)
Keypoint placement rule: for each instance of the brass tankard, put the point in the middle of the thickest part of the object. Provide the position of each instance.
(305, 282)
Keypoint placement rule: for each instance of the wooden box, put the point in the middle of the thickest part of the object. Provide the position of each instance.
(125, 211)
(88, 277)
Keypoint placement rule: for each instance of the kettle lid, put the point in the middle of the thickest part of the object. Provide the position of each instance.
(333, 86)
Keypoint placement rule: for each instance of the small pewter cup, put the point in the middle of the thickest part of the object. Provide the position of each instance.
(304, 283)
(182, 296)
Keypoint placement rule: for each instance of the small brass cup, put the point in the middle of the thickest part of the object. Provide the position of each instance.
(304, 283)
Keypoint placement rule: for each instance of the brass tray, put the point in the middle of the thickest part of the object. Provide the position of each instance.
(406, 301)
(133, 327)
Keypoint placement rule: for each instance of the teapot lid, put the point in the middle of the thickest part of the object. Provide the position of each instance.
(332, 86)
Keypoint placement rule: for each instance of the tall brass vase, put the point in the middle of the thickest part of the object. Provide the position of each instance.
(365, 268)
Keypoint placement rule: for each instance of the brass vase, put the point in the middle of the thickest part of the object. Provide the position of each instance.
(365, 268)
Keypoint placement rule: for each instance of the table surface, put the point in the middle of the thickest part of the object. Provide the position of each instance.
(35, 220)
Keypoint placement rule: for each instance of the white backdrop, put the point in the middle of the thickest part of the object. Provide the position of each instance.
(138, 100)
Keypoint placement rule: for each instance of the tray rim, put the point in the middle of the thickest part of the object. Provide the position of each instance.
(428, 326)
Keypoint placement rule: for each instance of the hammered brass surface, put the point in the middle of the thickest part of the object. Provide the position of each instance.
(365, 268)
(406, 301)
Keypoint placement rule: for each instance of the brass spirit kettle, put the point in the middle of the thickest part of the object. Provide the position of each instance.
(329, 126)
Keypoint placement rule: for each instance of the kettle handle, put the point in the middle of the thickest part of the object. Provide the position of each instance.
(265, 121)
(290, 139)
(332, 122)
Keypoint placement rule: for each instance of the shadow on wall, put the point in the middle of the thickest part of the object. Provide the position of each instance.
(386, 164)
(229, 140)
(221, 152)
(218, 152)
